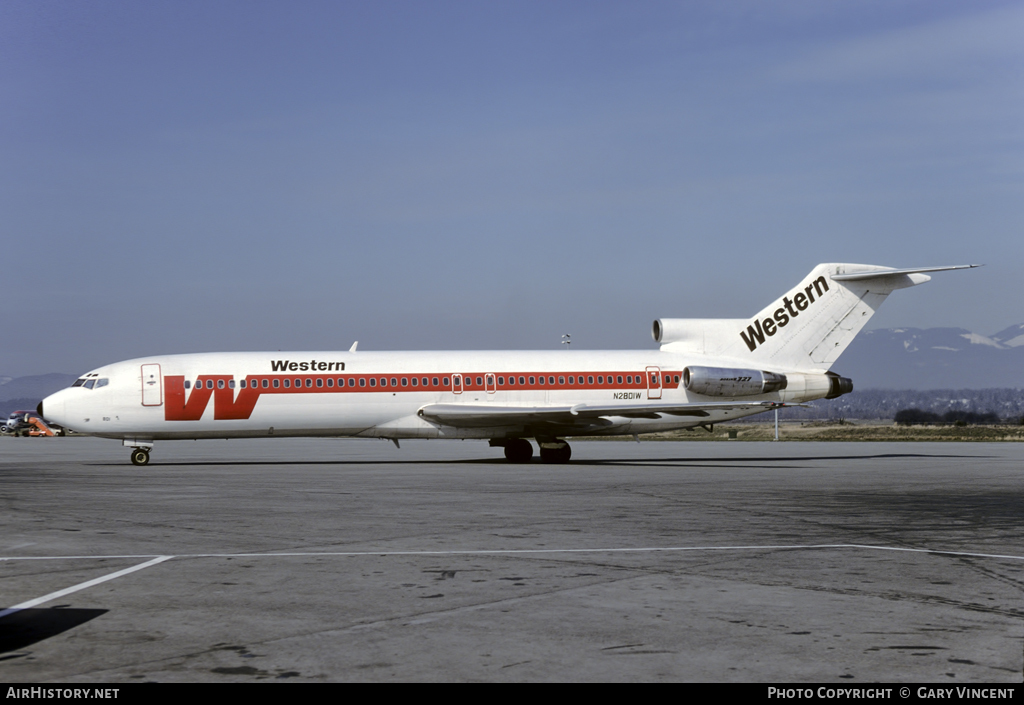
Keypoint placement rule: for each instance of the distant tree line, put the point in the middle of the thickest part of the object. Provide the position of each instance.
(917, 416)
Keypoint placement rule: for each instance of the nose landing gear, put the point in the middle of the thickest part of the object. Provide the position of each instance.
(140, 451)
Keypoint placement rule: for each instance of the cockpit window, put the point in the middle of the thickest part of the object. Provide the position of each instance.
(89, 383)
(79, 382)
(102, 382)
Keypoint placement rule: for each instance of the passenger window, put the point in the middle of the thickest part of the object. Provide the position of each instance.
(351, 381)
(231, 384)
(309, 382)
(561, 380)
(319, 382)
(362, 381)
(600, 379)
(220, 384)
(373, 381)
(188, 385)
(541, 379)
(394, 382)
(277, 383)
(590, 379)
(433, 381)
(445, 380)
(532, 380)
(629, 379)
(330, 381)
(405, 381)
(415, 381)
(501, 381)
(287, 384)
(619, 379)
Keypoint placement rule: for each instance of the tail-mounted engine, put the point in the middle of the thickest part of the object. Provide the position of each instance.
(728, 382)
(838, 386)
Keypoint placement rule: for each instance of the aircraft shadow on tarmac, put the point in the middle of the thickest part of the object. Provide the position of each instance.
(652, 461)
(29, 626)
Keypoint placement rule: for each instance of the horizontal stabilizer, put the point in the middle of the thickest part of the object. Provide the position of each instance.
(886, 272)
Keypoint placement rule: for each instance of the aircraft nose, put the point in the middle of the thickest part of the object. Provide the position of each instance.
(52, 408)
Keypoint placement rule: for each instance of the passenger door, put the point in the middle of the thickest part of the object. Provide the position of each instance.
(152, 385)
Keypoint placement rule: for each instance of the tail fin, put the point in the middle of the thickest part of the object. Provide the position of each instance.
(813, 323)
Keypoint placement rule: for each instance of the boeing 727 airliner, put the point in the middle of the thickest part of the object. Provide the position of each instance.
(706, 371)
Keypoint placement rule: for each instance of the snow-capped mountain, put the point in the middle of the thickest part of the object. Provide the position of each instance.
(934, 358)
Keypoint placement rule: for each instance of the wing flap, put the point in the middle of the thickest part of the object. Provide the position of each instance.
(578, 415)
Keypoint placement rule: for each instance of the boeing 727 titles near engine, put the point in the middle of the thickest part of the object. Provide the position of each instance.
(706, 371)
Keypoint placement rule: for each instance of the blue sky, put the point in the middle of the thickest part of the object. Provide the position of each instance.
(197, 176)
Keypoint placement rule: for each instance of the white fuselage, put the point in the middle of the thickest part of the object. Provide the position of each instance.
(379, 394)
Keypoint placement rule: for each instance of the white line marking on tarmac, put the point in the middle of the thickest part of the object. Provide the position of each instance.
(516, 551)
(82, 586)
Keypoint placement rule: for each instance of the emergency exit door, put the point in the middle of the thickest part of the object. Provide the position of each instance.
(654, 383)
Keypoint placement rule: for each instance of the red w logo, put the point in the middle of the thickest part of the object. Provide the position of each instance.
(225, 404)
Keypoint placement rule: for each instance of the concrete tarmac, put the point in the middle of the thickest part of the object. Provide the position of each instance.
(351, 560)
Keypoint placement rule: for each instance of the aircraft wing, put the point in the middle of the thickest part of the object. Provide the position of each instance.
(581, 415)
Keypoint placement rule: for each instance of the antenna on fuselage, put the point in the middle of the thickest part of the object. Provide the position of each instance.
(566, 340)
(354, 345)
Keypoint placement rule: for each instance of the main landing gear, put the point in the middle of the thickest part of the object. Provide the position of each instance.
(555, 451)
(519, 450)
